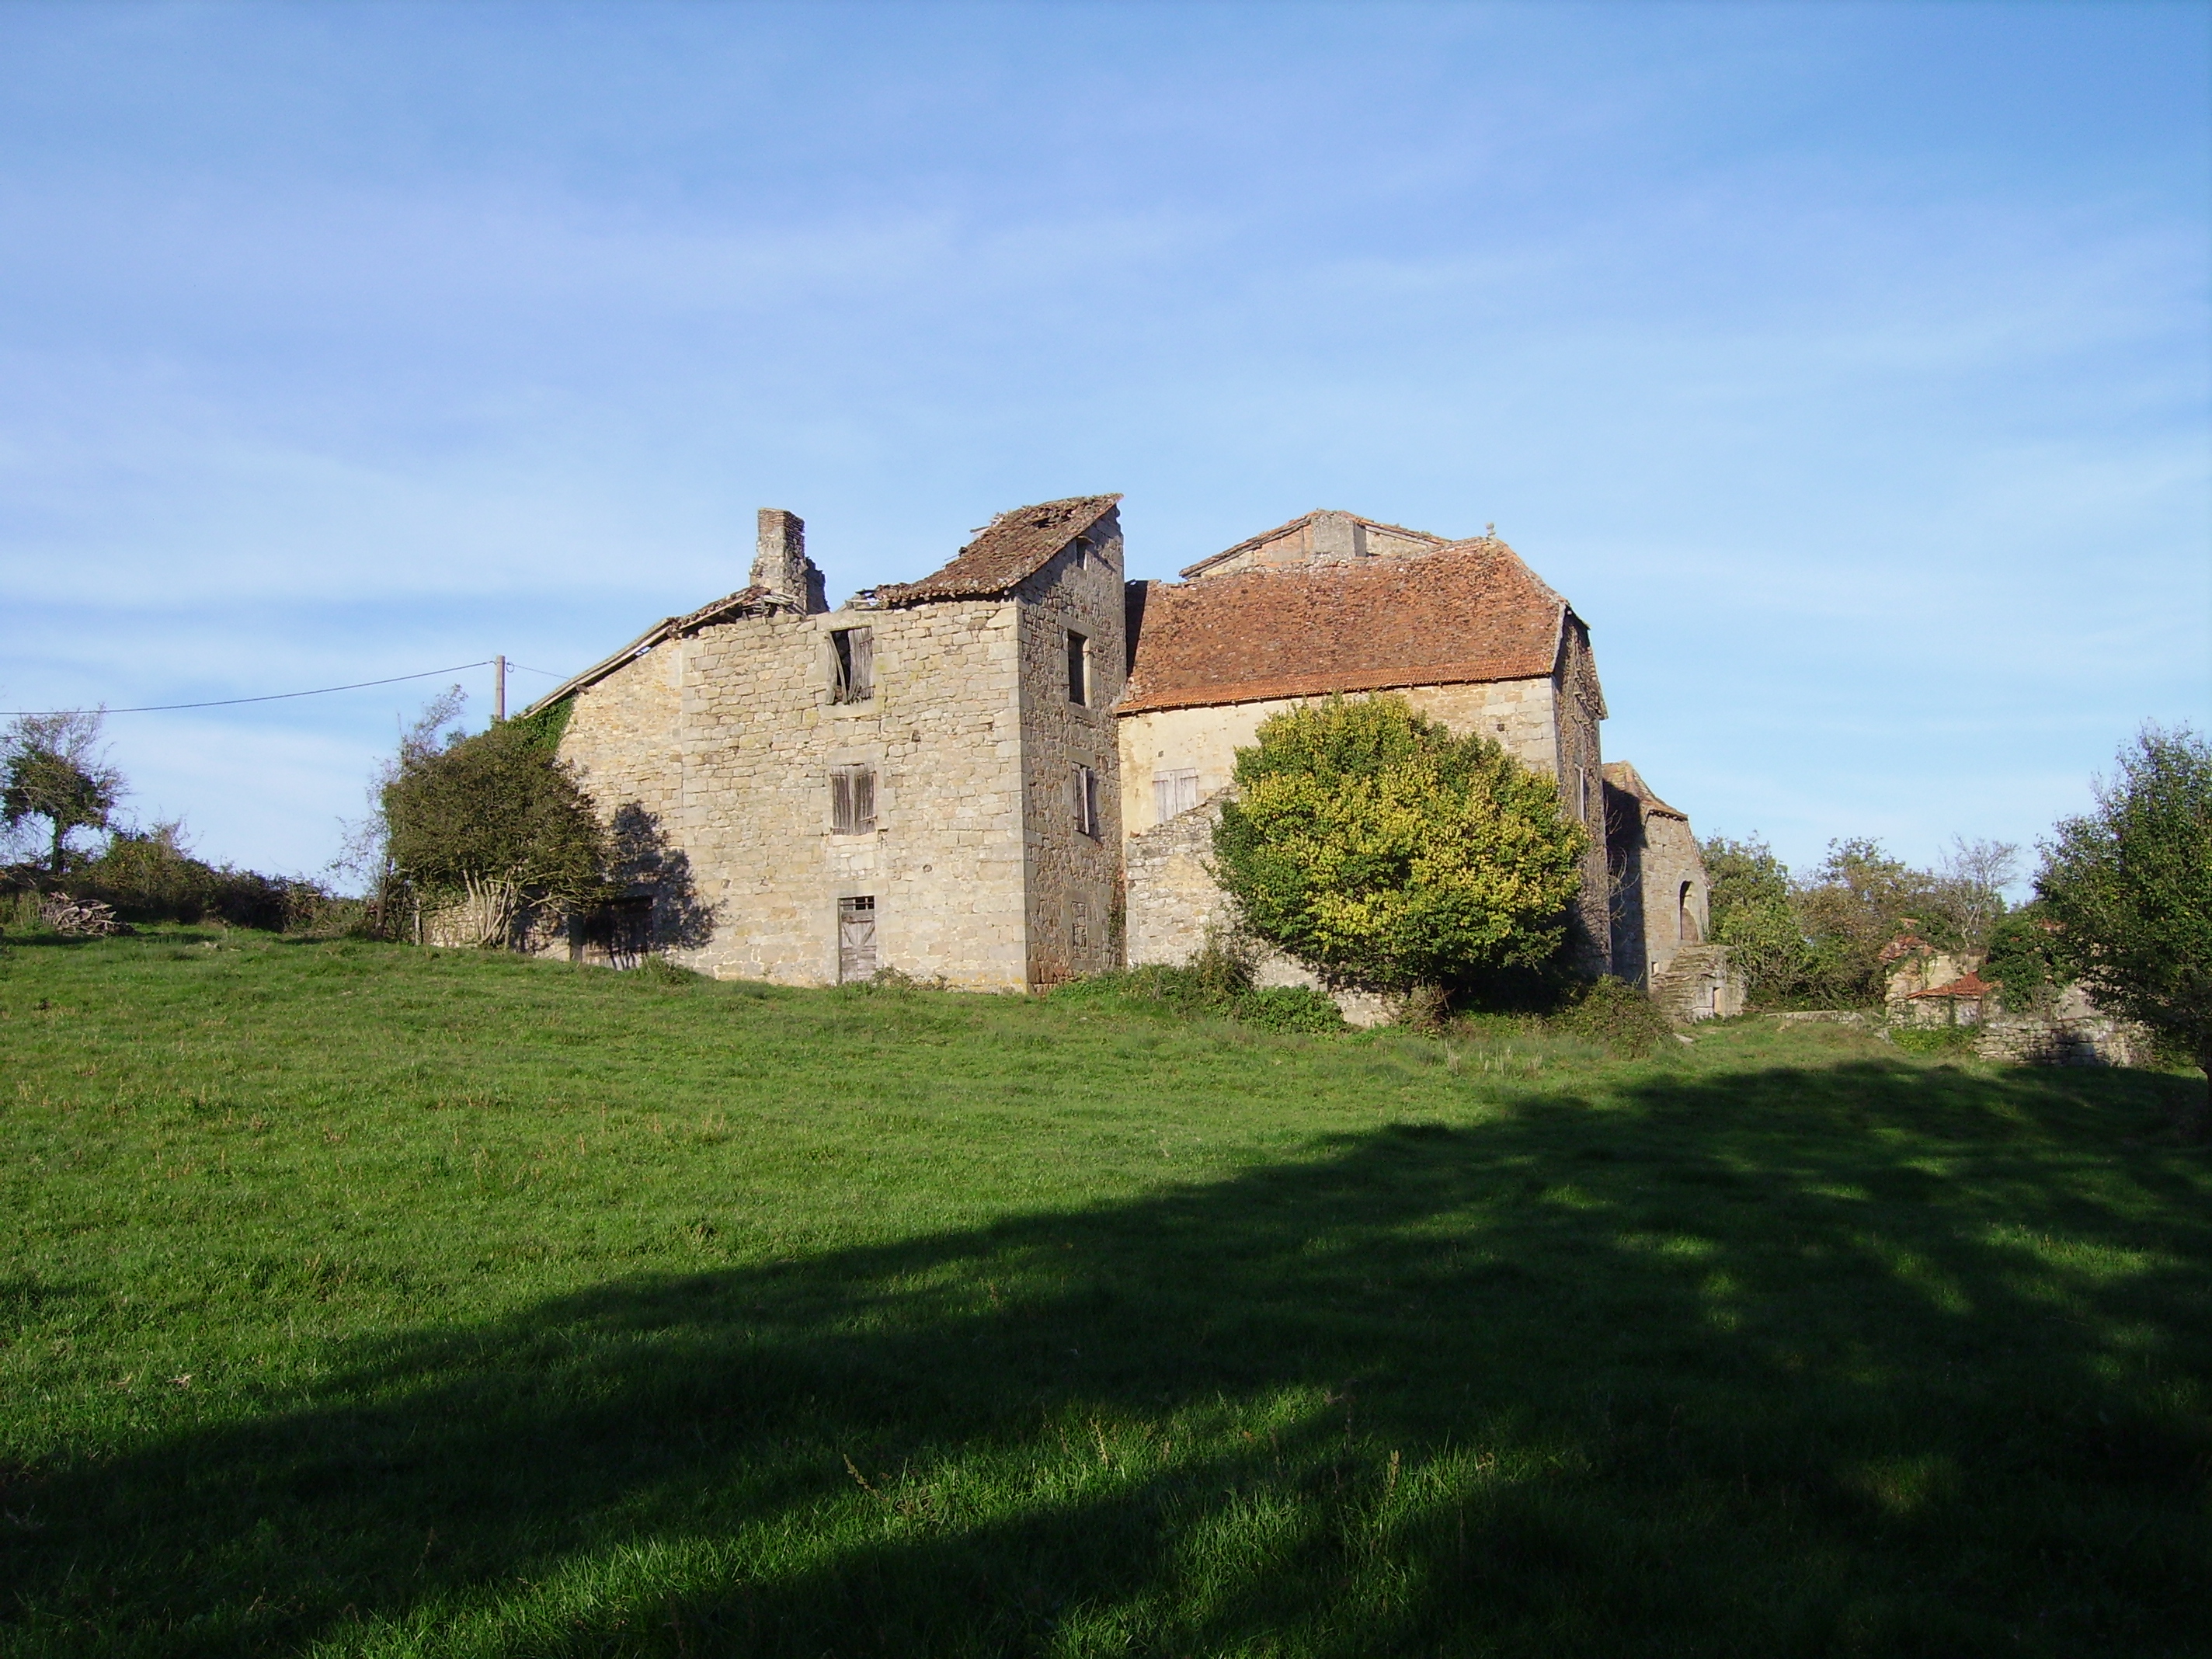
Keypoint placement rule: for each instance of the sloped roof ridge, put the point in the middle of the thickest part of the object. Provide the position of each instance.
(1251, 542)
(1013, 547)
(668, 628)
(1624, 776)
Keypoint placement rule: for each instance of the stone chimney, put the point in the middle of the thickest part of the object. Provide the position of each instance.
(779, 561)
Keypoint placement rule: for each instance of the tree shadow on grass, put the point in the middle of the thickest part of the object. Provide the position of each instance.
(1870, 1360)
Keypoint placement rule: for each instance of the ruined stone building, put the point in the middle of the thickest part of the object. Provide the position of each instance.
(1004, 774)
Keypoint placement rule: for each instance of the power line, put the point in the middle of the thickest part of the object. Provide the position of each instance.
(273, 696)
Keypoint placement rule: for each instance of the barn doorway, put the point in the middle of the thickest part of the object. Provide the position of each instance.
(1686, 918)
(856, 939)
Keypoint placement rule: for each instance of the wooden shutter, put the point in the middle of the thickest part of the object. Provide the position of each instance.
(861, 676)
(852, 800)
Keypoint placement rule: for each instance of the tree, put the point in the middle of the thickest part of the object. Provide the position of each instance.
(54, 770)
(1967, 898)
(2129, 886)
(491, 819)
(1753, 913)
(1858, 901)
(1370, 843)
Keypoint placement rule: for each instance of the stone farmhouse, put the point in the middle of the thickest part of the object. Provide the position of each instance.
(1006, 774)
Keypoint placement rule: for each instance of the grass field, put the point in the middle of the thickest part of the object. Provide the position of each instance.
(366, 1301)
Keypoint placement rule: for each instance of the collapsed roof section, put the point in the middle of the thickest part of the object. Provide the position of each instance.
(1006, 552)
(1465, 612)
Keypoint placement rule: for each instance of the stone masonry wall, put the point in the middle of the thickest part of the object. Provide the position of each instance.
(736, 776)
(622, 738)
(1173, 903)
(1579, 768)
(1671, 861)
(1073, 912)
(944, 861)
(1518, 713)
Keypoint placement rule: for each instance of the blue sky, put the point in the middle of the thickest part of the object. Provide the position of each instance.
(1848, 368)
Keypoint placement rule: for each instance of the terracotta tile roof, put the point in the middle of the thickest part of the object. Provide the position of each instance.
(1303, 519)
(1005, 552)
(1626, 779)
(1968, 987)
(1903, 944)
(1468, 612)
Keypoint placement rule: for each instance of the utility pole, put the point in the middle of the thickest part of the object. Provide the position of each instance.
(499, 688)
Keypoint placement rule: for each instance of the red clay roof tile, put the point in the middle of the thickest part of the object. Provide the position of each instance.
(1468, 612)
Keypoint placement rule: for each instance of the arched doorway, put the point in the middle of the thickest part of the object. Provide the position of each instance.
(1686, 919)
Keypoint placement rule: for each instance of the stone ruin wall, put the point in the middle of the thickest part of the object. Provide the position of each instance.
(2072, 1031)
(1075, 906)
(1667, 857)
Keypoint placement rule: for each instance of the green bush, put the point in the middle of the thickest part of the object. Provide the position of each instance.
(658, 971)
(2023, 958)
(151, 876)
(1934, 1039)
(1368, 841)
(1217, 980)
(1289, 1008)
(1616, 1017)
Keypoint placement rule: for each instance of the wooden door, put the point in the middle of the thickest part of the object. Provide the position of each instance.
(856, 939)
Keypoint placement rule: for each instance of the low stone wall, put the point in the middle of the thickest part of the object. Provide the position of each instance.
(1174, 908)
(2072, 1031)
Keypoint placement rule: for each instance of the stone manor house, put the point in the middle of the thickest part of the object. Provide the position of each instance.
(1006, 774)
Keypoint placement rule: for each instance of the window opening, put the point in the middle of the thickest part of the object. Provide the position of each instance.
(856, 937)
(1086, 800)
(851, 800)
(1174, 793)
(1079, 669)
(852, 675)
(1082, 552)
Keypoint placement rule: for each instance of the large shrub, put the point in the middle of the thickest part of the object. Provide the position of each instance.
(2128, 885)
(1754, 913)
(491, 821)
(1372, 844)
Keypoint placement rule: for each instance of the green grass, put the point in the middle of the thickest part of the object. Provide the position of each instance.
(366, 1301)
